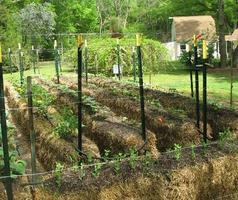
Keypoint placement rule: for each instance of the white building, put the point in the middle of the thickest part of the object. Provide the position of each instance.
(185, 27)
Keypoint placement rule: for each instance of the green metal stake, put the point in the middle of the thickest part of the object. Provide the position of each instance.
(204, 91)
(118, 59)
(80, 104)
(56, 61)
(33, 59)
(7, 172)
(37, 60)
(21, 68)
(86, 61)
(191, 72)
(31, 126)
(142, 101)
(59, 61)
(197, 85)
(134, 63)
(10, 59)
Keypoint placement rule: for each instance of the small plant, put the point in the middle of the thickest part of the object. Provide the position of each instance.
(177, 151)
(63, 130)
(82, 171)
(97, 169)
(147, 160)
(223, 137)
(204, 147)
(193, 153)
(106, 155)
(90, 157)
(58, 173)
(117, 162)
(133, 158)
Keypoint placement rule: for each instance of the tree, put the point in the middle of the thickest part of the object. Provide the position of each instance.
(35, 21)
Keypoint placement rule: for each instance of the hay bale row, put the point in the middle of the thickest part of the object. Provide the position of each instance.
(219, 119)
(106, 129)
(49, 149)
(169, 129)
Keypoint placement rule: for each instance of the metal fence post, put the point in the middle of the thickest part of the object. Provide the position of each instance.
(7, 172)
(142, 103)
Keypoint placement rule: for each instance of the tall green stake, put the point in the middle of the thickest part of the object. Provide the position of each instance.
(191, 71)
(33, 59)
(118, 60)
(7, 172)
(134, 63)
(31, 126)
(21, 67)
(142, 101)
(10, 59)
(86, 60)
(197, 81)
(204, 91)
(56, 61)
(79, 103)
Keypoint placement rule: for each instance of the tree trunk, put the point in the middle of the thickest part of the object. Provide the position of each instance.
(222, 42)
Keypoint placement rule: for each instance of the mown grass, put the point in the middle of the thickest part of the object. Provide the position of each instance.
(218, 82)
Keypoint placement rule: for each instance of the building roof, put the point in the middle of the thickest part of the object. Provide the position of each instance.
(185, 27)
(233, 37)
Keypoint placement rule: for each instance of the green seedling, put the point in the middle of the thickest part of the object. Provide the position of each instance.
(117, 162)
(193, 153)
(106, 155)
(58, 173)
(97, 169)
(133, 158)
(90, 157)
(177, 151)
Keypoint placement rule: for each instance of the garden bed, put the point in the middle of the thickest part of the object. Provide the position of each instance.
(49, 149)
(169, 128)
(202, 173)
(102, 126)
(220, 119)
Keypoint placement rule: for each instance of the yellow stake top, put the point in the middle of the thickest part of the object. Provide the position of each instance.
(204, 49)
(0, 53)
(138, 39)
(195, 41)
(80, 40)
(85, 43)
(55, 44)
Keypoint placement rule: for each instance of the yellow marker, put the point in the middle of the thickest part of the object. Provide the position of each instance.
(138, 39)
(0, 53)
(55, 44)
(19, 46)
(80, 40)
(204, 49)
(85, 43)
(32, 47)
(195, 41)
(133, 49)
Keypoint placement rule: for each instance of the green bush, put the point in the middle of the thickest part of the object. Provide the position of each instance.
(154, 55)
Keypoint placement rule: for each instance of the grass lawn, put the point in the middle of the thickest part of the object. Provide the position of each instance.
(179, 81)
(218, 83)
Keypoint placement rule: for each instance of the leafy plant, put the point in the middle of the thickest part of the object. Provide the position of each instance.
(147, 160)
(97, 169)
(177, 151)
(223, 137)
(58, 173)
(193, 153)
(63, 130)
(106, 155)
(90, 157)
(133, 158)
(117, 162)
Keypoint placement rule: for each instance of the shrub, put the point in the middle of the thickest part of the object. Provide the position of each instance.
(153, 52)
